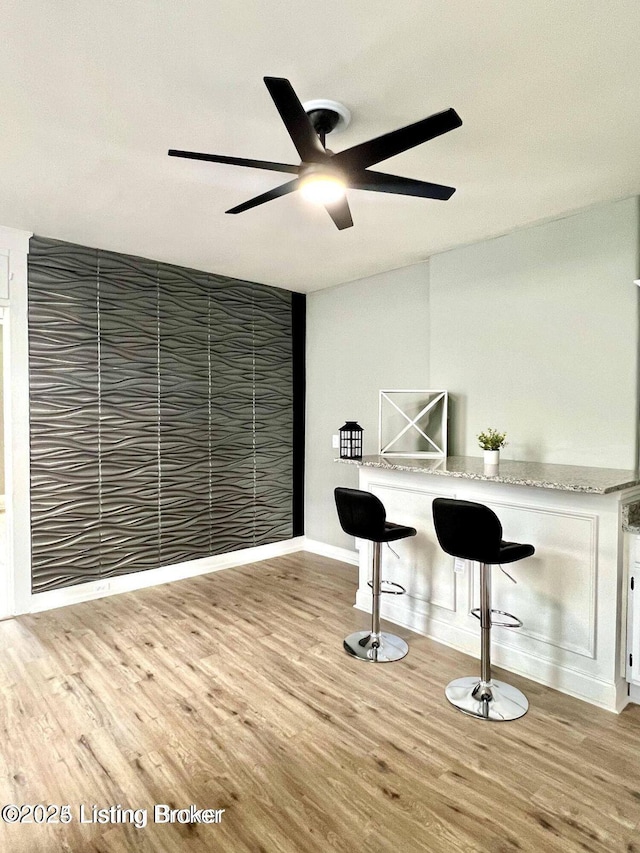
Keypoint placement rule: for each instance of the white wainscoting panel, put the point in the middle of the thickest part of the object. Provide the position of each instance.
(423, 568)
(556, 591)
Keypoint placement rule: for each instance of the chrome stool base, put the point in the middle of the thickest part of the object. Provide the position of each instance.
(360, 645)
(492, 700)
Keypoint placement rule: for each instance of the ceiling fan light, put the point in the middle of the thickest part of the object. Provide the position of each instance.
(320, 188)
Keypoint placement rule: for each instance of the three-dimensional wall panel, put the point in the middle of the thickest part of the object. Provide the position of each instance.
(161, 407)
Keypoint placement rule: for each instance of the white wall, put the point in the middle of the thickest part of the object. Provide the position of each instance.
(362, 336)
(1, 412)
(536, 333)
(15, 578)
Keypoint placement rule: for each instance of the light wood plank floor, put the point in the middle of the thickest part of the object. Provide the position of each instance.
(231, 691)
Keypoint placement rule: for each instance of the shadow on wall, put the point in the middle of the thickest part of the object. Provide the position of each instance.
(457, 424)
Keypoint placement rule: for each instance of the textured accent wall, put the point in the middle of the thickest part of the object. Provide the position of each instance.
(161, 409)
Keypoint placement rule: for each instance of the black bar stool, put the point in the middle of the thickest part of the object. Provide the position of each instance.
(363, 515)
(472, 531)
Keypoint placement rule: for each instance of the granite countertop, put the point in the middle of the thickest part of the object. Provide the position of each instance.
(568, 478)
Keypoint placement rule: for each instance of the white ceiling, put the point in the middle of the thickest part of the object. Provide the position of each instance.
(94, 93)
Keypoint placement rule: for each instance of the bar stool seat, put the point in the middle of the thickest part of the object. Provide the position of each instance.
(392, 532)
(472, 531)
(363, 515)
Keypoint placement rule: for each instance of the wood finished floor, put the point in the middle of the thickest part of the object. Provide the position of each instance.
(232, 691)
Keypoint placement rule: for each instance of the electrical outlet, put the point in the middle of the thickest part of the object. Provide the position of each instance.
(459, 565)
(335, 442)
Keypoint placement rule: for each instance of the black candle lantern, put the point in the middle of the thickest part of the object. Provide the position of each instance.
(351, 440)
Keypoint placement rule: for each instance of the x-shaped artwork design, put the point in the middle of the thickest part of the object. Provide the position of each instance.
(413, 422)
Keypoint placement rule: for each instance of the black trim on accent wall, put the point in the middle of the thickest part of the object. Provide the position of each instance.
(298, 347)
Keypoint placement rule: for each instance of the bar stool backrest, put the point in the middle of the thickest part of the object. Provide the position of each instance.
(467, 530)
(361, 514)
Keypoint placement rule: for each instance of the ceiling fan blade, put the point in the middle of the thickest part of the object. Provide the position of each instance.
(383, 183)
(397, 141)
(276, 192)
(235, 161)
(296, 121)
(340, 213)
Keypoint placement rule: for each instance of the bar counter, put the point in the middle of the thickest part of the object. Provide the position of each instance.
(571, 595)
(569, 478)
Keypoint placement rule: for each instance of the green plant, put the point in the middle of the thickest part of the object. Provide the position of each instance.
(491, 439)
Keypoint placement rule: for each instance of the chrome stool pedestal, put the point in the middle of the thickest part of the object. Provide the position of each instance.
(375, 645)
(486, 698)
(363, 515)
(472, 531)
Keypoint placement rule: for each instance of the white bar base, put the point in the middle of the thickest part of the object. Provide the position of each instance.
(569, 594)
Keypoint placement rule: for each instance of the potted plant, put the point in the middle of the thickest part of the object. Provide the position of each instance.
(491, 441)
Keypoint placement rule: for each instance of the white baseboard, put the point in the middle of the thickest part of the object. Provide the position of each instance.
(612, 696)
(331, 551)
(165, 574)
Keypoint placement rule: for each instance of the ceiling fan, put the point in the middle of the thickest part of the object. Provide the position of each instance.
(322, 175)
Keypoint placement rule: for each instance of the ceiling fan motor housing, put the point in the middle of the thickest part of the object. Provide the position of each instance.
(327, 116)
(323, 121)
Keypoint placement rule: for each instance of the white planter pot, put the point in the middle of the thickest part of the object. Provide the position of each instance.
(491, 457)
